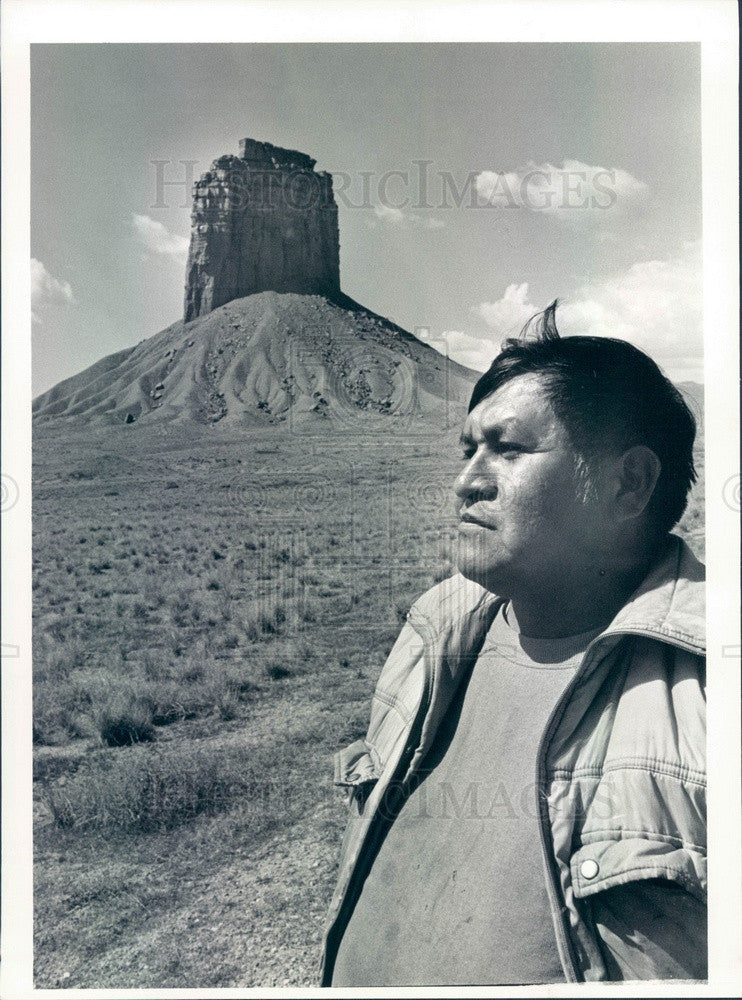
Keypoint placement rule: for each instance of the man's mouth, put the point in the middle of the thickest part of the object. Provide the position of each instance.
(466, 518)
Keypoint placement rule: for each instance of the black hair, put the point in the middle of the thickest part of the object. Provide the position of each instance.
(610, 396)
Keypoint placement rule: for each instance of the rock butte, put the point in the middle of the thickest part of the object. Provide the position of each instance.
(268, 337)
(261, 221)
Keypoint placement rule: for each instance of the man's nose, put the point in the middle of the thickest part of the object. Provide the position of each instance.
(474, 484)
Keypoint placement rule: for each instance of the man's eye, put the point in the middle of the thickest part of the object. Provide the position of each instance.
(509, 450)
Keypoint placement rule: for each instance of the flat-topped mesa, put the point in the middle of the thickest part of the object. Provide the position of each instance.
(261, 221)
(265, 154)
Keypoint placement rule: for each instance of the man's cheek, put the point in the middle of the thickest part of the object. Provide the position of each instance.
(528, 520)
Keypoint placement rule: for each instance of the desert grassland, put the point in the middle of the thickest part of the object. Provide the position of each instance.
(211, 611)
(210, 614)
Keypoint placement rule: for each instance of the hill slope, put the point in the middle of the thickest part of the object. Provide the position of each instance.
(263, 359)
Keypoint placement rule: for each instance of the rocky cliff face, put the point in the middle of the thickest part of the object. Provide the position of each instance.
(262, 221)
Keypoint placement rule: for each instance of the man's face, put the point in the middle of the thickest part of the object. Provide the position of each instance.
(523, 525)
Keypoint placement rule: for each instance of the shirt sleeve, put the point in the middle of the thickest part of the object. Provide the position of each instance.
(651, 929)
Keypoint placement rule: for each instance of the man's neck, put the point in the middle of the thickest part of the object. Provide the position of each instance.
(577, 603)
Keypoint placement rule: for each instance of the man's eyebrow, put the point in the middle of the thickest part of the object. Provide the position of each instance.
(504, 427)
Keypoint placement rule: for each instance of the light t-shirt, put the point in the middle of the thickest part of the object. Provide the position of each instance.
(456, 894)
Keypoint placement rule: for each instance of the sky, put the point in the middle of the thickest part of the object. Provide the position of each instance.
(475, 183)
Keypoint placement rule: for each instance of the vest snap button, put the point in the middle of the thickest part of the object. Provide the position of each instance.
(589, 869)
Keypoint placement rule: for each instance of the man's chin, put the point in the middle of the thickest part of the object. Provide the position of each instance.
(491, 577)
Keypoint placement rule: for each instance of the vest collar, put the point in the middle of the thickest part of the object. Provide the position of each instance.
(668, 605)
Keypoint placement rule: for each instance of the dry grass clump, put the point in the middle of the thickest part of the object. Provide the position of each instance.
(158, 788)
(153, 789)
(125, 721)
(121, 701)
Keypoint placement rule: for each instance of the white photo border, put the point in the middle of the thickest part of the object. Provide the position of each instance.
(713, 23)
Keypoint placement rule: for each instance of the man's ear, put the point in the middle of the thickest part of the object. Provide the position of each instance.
(638, 470)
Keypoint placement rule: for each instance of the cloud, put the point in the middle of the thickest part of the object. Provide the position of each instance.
(45, 288)
(575, 193)
(404, 220)
(157, 239)
(504, 317)
(469, 349)
(507, 315)
(654, 304)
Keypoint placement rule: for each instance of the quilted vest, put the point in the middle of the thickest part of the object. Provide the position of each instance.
(620, 780)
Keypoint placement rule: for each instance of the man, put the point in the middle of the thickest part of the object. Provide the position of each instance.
(528, 803)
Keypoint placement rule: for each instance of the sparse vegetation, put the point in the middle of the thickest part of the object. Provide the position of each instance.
(198, 658)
